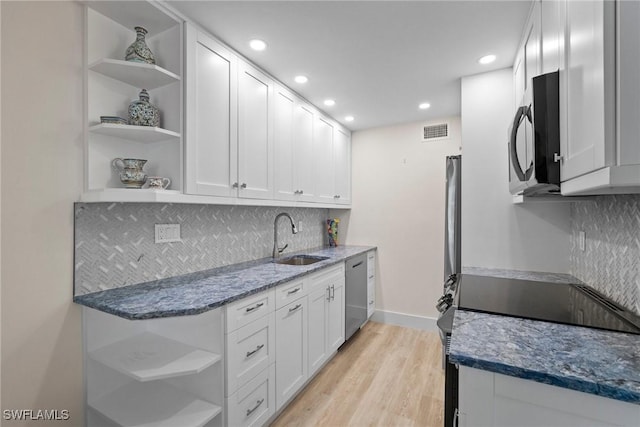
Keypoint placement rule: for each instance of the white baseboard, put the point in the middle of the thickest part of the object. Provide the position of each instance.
(406, 320)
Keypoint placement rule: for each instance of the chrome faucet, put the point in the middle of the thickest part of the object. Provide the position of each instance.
(276, 250)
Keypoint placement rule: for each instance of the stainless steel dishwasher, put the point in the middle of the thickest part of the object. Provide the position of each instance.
(355, 294)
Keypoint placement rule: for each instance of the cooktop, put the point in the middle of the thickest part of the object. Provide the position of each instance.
(572, 304)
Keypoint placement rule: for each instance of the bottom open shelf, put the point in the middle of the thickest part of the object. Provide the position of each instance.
(155, 404)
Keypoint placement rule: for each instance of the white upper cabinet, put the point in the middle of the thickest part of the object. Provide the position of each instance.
(527, 63)
(284, 135)
(323, 133)
(553, 16)
(255, 133)
(211, 117)
(305, 180)
(590, 131)
(342, 166)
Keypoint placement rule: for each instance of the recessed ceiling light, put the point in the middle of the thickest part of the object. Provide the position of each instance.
(257, 44)
(301, 79)
(329, 102)
(424, 106)
(349, 118)
(488, 59)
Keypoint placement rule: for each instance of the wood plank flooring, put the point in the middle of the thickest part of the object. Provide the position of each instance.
(385, 376)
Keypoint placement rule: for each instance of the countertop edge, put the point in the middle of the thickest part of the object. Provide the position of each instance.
(549, 379)
(100, 301)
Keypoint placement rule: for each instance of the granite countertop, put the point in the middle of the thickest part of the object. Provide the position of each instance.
(590, 360)
(205, 290)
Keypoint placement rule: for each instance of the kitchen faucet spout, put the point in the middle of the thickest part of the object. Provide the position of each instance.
(277, 251)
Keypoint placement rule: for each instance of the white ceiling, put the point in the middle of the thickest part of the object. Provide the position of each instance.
(377, 59)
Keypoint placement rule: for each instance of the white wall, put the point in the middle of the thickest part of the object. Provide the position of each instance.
(398, 205)
(496, 233)
(41, 178)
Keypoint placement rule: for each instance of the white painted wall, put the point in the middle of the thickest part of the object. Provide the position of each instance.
(496, 233)
(41, 178)
(398, 189)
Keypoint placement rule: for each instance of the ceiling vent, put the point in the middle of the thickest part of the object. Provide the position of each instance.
(435, 132)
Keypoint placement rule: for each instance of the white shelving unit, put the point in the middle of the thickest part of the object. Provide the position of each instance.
(147, 76)
(135, 133)
(131, 405)
(112, 83)
(155, 372)
(148, 357)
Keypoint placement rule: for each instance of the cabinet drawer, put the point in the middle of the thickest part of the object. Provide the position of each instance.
(254, 403)
(290, 291)
(246, 310)
(250, 350)
(326, 276)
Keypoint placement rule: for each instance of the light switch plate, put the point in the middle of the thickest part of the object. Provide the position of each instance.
(166, 233)
(582, 240)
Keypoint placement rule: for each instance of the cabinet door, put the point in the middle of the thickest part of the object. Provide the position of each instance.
(291, 348)
(552, 35)
(323, 154)
(318, 338)
(284, 109)
(335, 317)
(255, 133)
(303, 153)
(589, 132)
(342, 166)
(211, 117)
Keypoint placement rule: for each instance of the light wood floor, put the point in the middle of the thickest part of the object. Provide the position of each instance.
(385, 376)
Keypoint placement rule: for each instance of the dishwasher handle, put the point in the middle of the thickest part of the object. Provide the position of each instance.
(357, 264)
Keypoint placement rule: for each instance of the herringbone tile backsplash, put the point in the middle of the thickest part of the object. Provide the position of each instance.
(114, 242)
(610, 262)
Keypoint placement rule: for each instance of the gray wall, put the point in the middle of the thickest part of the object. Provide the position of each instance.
(115, 241)
(611, 260)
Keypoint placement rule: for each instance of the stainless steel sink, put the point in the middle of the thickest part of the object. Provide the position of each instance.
(301, 260)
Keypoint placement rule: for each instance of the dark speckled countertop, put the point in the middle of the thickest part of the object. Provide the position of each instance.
(589, 360)
(205, 290)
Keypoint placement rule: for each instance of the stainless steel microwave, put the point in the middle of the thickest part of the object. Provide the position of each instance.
(534, 139)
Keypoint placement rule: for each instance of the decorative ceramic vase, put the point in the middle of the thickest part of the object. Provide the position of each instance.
(142, 113)
(332, 230)
(131, 173)
(139, 51)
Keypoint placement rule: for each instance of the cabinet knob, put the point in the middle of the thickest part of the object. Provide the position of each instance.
(337, 196)
(235, 185)
(301, 191)
(244, 185)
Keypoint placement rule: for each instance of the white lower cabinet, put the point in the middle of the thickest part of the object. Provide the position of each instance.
(371, 283)
(489, 399)
(326, 314)
(254, 403)
(291, 348)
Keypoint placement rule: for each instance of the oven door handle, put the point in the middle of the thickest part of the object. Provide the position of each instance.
(523, 113)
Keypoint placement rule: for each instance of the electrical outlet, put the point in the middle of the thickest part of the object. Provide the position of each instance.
(166, 233)
(582, 240)
(299, 226)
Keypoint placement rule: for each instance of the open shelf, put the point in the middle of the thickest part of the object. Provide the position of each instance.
(140, 75)
(135, 133)
(148, 357)
(158, 404)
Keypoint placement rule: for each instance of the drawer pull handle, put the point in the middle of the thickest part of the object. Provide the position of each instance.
(255, 307)
(292, 309)
(258, 348)
(370, 277)
(333, 292)
(252, 410)
(293, 291)
(370, 302)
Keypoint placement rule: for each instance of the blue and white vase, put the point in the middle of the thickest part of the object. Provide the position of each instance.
(139, 51)
(142, 112)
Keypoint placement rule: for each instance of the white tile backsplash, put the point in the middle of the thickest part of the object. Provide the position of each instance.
(610, 262)
(114, 242)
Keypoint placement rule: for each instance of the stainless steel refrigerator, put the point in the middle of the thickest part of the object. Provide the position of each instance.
(452, 238)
